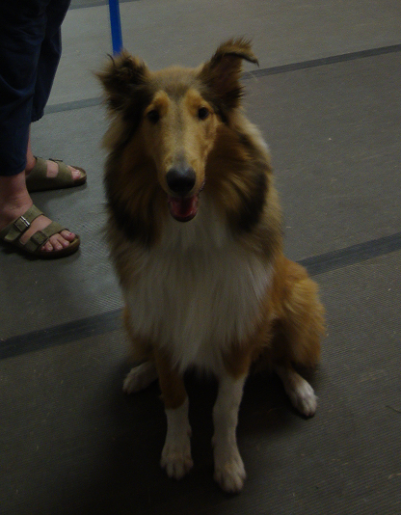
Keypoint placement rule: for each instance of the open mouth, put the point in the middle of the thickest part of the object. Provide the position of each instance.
(183, 209)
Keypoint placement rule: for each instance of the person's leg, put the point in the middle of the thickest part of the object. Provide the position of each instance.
(49, 58)
(22, 30)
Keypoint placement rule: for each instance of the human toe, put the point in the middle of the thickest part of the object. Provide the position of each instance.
(47, 247)
(67, 235)
(56, 243)
(76, 174)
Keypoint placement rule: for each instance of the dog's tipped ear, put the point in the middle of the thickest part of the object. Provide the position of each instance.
(222, 73)
(120, 77)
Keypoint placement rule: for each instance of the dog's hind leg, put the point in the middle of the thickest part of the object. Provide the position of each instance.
(299, 328)
(299, 391)
(140, 377)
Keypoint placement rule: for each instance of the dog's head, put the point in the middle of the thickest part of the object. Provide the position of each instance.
(169, 119)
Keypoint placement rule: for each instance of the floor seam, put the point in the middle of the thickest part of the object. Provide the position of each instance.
(262, 72)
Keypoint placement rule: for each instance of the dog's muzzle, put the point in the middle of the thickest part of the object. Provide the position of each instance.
(181, 181)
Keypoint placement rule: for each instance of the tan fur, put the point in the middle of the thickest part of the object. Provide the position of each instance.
(158, 122)
(141, 348)
(171, 382)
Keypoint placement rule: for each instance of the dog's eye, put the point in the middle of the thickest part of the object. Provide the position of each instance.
(203, 113)
(153, 116)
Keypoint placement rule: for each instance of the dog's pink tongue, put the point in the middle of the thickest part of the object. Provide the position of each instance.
(183, 209)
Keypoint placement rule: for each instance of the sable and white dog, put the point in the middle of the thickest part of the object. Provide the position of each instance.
(195, 236)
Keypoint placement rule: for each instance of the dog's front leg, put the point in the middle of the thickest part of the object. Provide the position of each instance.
(229, 469)
(176, 456)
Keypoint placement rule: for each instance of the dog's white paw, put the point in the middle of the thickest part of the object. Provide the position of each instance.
(303, 398)
(140, 377)
(176, 458)
(299, 391)
(230, 473)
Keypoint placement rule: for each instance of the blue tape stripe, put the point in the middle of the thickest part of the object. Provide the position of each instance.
(115, 24)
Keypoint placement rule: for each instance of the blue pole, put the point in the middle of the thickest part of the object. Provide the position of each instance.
(115, 24)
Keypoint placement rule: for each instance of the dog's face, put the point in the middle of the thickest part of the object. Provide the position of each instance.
(178, 131)
(169, 120)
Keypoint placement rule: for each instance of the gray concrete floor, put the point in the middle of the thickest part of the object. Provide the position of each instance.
(327, 97)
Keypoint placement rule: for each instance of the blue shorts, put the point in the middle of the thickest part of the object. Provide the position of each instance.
(30, 50)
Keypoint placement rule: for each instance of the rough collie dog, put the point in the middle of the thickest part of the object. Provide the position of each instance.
(195, 237)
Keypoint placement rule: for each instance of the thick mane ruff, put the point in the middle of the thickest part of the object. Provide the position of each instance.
(238, 179)
(136, 203)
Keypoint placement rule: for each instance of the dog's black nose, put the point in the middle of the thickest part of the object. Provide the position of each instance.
(181, 180)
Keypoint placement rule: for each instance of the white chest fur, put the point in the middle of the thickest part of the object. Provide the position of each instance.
(197, 292)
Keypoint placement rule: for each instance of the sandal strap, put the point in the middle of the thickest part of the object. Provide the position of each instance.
(64, 173)
(64, 169)
(38, 180)
(39, 238)
(16, 229)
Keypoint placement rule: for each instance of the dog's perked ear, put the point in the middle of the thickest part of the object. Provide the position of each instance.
(123, 78)
(222, 73)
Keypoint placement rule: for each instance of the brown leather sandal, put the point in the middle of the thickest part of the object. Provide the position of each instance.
(37, 179)
(13, 232)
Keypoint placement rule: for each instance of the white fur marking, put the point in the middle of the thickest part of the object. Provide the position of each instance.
(229, 469)
(197, 291)
(176, 455)
(299, 391)
(140, 377)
